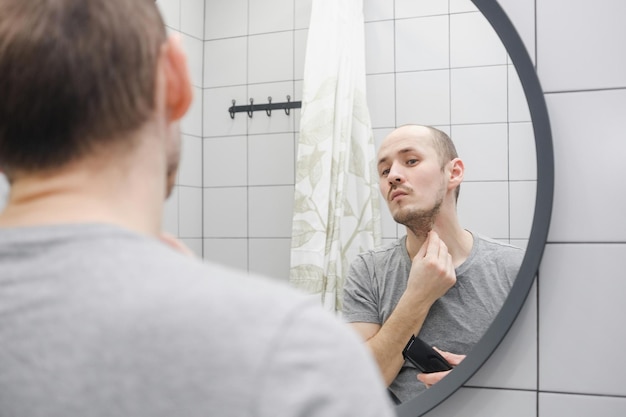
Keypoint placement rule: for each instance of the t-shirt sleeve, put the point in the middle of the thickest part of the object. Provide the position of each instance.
(319, 368)
(360, 295)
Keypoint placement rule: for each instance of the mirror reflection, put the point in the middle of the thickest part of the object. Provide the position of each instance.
(449, 70)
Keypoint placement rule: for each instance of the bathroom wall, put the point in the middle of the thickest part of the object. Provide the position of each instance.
(564, 354)
(422, 66)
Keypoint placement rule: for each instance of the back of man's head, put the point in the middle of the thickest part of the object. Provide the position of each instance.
(75, 76)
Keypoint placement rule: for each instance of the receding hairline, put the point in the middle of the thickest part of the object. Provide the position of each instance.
(439, 140)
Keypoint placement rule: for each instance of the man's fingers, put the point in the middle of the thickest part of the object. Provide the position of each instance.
(432, 378)
(452, 358)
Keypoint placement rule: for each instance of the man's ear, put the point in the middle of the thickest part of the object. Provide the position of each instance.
(178, 92)
(457, 172)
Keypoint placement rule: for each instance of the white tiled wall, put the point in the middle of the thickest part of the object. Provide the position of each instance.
(563, 355)
(252, 50)
(440, 63)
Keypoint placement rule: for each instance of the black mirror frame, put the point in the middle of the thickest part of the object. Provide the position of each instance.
(541, 221)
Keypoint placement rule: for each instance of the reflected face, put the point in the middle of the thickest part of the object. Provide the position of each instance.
(411, 177)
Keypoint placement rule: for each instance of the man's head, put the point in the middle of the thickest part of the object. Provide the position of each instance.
(419, 171)
(76, 77)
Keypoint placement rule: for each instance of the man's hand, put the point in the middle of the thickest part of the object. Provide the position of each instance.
(432, 272)
(432, 378)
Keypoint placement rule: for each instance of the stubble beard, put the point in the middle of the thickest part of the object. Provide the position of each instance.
(420, 222)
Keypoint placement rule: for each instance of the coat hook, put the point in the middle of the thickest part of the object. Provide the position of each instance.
(287, 109)
(232, 110)
(268, 110)
(250, 111)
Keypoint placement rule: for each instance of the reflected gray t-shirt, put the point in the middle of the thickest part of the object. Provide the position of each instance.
(377, 279)
(98, 321)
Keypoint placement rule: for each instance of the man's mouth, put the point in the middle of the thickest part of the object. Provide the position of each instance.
(396, 193)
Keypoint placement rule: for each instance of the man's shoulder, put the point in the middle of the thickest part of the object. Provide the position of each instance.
(488, 244)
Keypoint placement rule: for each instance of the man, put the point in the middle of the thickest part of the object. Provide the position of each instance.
(98, 317)
(440, 281)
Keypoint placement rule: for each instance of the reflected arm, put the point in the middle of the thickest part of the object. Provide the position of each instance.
(386, 342)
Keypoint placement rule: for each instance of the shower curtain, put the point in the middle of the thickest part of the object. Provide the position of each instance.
(336, 207)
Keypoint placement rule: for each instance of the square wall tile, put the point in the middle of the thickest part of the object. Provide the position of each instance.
(412, 8)
(217, 120)
(190, 212)
(581, 305)
(462, 6)
(379, 47)
(225, 161)
(570, 405)
(513, 364)
(589, 147)
(302, 14)
(225, 62)
(522, 152)
(169, 222)
(170, 11)
(195, 58)
(271, 159)
(192, 17)
(271, 257)
(270, 211)
(299, 50)
(278, 121)
(518, 105)
(190, 169)
(191, 123)
(422, 43)
(270, 57)
(423, 97)
(225, 19)
(271, 16)
(381, 99)
(523, 196)
(377, 10)
(487, 402)
(225, 212)
(228, 252)
(488, 219)
(473, 42)
(479, 95)
(484, 150)
(597, 55)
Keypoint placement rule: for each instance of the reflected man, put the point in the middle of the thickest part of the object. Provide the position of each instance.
(440, 281)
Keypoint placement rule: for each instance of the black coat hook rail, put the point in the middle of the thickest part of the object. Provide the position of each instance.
(268, 107)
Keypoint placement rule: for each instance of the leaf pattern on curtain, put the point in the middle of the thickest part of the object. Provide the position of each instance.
(336, 202)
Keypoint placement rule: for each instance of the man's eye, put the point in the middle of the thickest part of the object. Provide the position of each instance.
(412, 161)
(384, 173)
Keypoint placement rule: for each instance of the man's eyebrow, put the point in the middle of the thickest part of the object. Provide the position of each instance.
(401, 151)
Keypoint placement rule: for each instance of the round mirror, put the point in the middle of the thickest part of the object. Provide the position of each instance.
(526, 192)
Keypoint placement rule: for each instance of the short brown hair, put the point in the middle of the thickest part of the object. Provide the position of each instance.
(75, 76)
(445, 149)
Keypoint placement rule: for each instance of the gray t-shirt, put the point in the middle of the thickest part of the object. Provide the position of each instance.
(99, 321)
(377, 279)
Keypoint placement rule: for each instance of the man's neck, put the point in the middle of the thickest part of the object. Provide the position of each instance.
(84, 193)
(458, 240)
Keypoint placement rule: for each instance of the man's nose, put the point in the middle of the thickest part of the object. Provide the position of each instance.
(395, 176)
